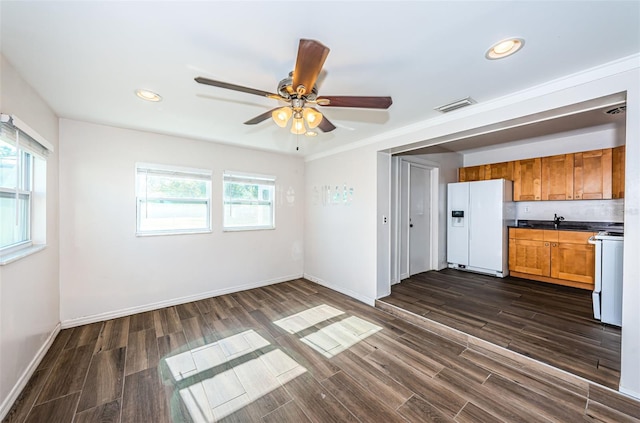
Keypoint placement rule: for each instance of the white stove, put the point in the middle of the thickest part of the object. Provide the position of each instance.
(607, 294)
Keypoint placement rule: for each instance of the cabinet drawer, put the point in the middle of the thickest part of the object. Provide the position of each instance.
(530, 234)
(574, 237)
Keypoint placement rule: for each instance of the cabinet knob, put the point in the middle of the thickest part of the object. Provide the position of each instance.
(546, 244)
(554, 244)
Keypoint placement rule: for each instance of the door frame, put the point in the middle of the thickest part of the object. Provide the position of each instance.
(400, 268)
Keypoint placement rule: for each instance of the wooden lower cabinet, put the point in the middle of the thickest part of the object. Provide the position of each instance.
(560, 257)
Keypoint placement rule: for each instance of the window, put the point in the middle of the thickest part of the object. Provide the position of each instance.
(248, 201)
(172, 200)
(22, 189)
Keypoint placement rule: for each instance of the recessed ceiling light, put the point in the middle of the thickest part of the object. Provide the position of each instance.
(148, 95)
(504, 48)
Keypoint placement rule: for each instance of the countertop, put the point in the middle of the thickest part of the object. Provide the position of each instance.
(614, 227)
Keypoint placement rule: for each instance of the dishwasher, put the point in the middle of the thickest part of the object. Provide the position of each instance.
(607, 293)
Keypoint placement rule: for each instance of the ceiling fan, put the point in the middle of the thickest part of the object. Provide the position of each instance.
(299, 90)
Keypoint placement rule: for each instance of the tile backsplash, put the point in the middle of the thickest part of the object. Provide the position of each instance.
(574, 210)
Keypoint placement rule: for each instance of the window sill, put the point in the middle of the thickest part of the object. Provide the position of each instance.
(249, 228)
(17, 255)
(191, 232)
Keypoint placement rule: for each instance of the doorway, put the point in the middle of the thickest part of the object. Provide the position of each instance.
(414, 218)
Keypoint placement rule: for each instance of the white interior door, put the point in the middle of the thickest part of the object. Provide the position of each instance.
(419, 219)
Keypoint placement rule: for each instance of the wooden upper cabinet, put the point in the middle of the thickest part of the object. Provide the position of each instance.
(592, 175)
(557, 177)
(502, 170)
(472, 173)
(527, 179)
(617, 172)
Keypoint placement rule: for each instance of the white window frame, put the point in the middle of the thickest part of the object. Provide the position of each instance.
(175, 171)
(249, 178)
(30, 184)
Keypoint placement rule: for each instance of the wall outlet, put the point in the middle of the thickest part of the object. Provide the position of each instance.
(385, 220)
(526, 209)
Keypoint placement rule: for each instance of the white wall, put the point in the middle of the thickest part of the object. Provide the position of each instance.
(352, 250)
(105, 270)
(29, 290)
(340, 240)
(595, 138)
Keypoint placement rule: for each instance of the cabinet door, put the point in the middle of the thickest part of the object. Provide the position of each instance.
(557, 177)
(472, 173)
(617, 179)
(502, 170)
(573, 262)
(529, 256)
(592, 175)
(527, 175)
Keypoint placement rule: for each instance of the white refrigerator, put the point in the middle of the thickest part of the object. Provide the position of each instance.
(478, 214)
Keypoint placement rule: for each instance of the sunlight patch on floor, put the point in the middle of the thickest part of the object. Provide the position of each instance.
(224, 376)
(332, 338)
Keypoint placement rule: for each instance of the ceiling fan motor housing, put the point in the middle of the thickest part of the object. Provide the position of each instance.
(286, 91)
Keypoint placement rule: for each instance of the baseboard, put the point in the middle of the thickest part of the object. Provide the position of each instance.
(100, 317)
(6, 405)
(633, 394)
(348, 292)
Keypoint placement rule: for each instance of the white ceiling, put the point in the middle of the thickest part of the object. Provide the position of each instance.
(86, 58)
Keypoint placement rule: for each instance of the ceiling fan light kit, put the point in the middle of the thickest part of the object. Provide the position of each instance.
(295, 90)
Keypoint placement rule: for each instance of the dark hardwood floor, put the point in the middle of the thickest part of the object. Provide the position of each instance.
(550, 323)
(295, 352)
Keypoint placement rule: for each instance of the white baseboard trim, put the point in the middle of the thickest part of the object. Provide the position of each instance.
(100, 317)
(7, 403)
(348, 292)
(635, 395)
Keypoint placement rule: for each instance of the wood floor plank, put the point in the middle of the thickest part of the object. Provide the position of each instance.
(115, 334)
(142, 401)
(449, 402)
(187, 310)
(289, 412)
(198, 332)
(56, 348)
(68, 374)
(166, 321)
(142, 351)
(85, 335)
(59, 410)
(22, 406)
(615, 400)
(417, 410)
(360, 402)
(104, 379)
(319, 405)
(471, 413)
(104, 413)
(597, 412)
(372, 379)
(141, 321)
(486, 398)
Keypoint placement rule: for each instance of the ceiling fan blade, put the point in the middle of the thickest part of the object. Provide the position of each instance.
(355, 101)
(220, 84)
(260, 118)
(311, 57)
(325, 125)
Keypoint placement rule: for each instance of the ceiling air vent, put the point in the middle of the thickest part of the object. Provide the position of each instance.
(468, 101)
(617, 110)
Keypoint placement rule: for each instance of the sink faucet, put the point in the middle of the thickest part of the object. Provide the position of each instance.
(556, 220)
